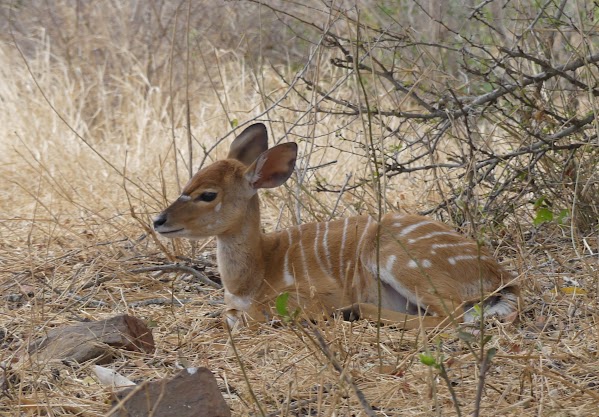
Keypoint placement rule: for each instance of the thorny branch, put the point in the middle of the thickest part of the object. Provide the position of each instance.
(502, 108)
(179, 268)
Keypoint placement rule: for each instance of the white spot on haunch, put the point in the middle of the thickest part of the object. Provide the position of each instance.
(425, 263)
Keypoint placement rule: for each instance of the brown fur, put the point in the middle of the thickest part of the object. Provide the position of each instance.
(423, 267)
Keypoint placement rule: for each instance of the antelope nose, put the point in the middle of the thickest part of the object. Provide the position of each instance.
(159, 220)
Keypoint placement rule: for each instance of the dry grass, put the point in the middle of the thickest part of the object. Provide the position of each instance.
(74, 224)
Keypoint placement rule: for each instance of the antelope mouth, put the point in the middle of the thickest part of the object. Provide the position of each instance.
(169, 232)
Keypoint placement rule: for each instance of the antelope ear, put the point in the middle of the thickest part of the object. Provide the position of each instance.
(249, 144)
(273, 167)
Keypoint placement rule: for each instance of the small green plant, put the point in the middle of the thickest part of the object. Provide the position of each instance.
(544, 213)
(485, 358)
(282, 307)
(437, 363)
(429, 360)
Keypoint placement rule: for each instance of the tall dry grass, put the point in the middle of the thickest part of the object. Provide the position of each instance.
(95, 140)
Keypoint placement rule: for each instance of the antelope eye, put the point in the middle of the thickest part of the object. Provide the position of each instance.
(206, 196)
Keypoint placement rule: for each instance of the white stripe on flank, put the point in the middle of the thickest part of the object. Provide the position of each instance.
(358, 247)
(316, 254)
(301, 243)
(409, 229)
(389, 265)
(325, 244)
(287, 277)
(386, 276)
(453, 259)
(432, 234)
(341, 269)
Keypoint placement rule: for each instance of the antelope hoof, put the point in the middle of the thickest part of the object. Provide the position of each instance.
(350, 313)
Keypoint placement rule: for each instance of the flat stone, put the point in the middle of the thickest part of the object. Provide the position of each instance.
(193, 392)
(93, 340)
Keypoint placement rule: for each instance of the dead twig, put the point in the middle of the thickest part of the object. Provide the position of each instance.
(179, 268)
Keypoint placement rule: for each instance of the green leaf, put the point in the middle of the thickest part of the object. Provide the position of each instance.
(539, 202)
(427, 359)
(281, 304)
(544, 215)
(234, 123)
(563, 214)
(478, 310)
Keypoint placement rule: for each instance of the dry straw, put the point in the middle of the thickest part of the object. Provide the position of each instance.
(89, 153)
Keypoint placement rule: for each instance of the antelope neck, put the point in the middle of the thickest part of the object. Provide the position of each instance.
(240, 254)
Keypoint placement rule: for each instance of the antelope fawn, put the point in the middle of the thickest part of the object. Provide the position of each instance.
(422, 270)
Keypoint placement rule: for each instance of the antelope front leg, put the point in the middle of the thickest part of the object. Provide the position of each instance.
(249, 317)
